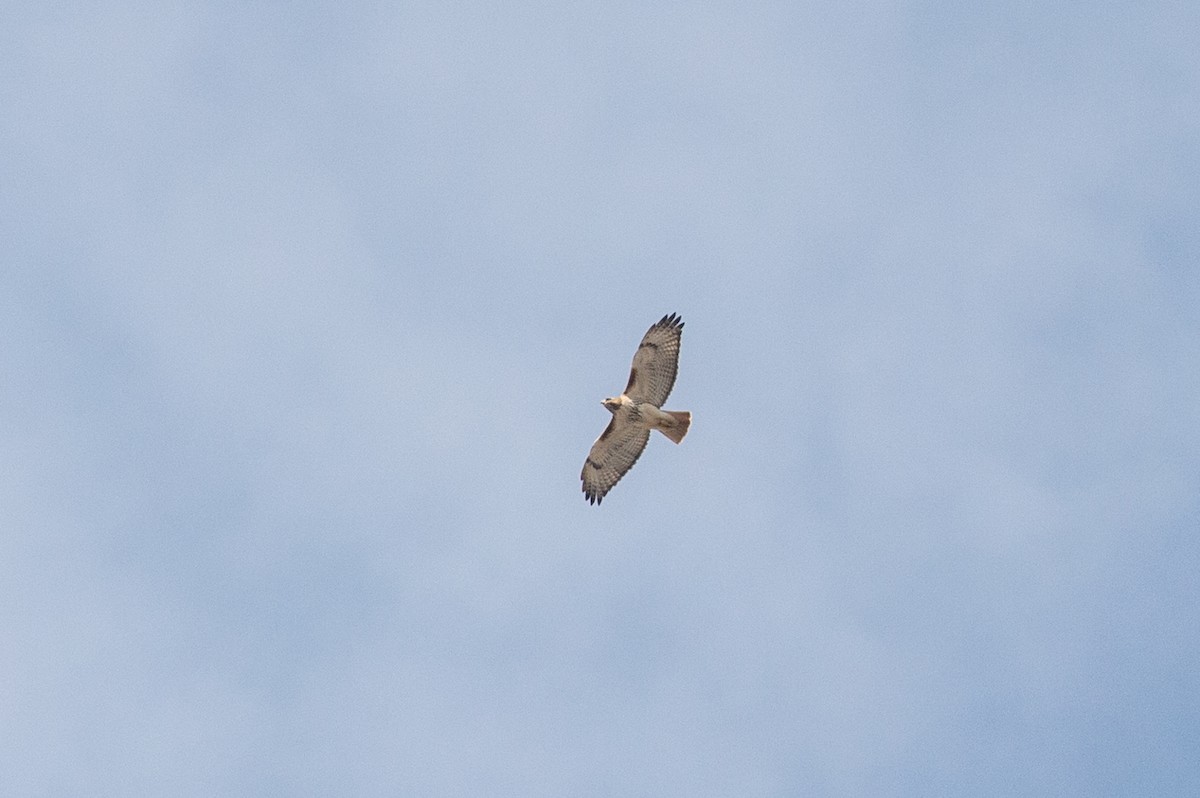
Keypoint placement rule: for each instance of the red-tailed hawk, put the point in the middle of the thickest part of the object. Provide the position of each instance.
(638, 410)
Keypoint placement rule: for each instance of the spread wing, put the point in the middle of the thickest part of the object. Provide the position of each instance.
(656, 362)
(613, 454)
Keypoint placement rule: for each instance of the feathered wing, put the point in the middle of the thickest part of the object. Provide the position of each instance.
(656, 362)
(612, 455)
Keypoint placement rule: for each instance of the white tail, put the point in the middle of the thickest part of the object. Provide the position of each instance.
(681, 420)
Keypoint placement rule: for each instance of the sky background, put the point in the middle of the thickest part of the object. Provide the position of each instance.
(306, 312)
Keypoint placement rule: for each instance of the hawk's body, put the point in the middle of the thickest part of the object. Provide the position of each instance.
(638, 410)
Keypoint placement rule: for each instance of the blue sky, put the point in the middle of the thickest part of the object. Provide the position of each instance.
(306, 311)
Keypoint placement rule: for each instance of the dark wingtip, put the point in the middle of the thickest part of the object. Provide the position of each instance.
(670, 320)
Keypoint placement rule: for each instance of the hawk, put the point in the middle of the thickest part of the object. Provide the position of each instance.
(638, 410)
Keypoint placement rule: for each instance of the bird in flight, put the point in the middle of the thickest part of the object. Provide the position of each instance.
(638, 410)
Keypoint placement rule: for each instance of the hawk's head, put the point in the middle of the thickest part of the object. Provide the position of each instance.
(612, 404)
